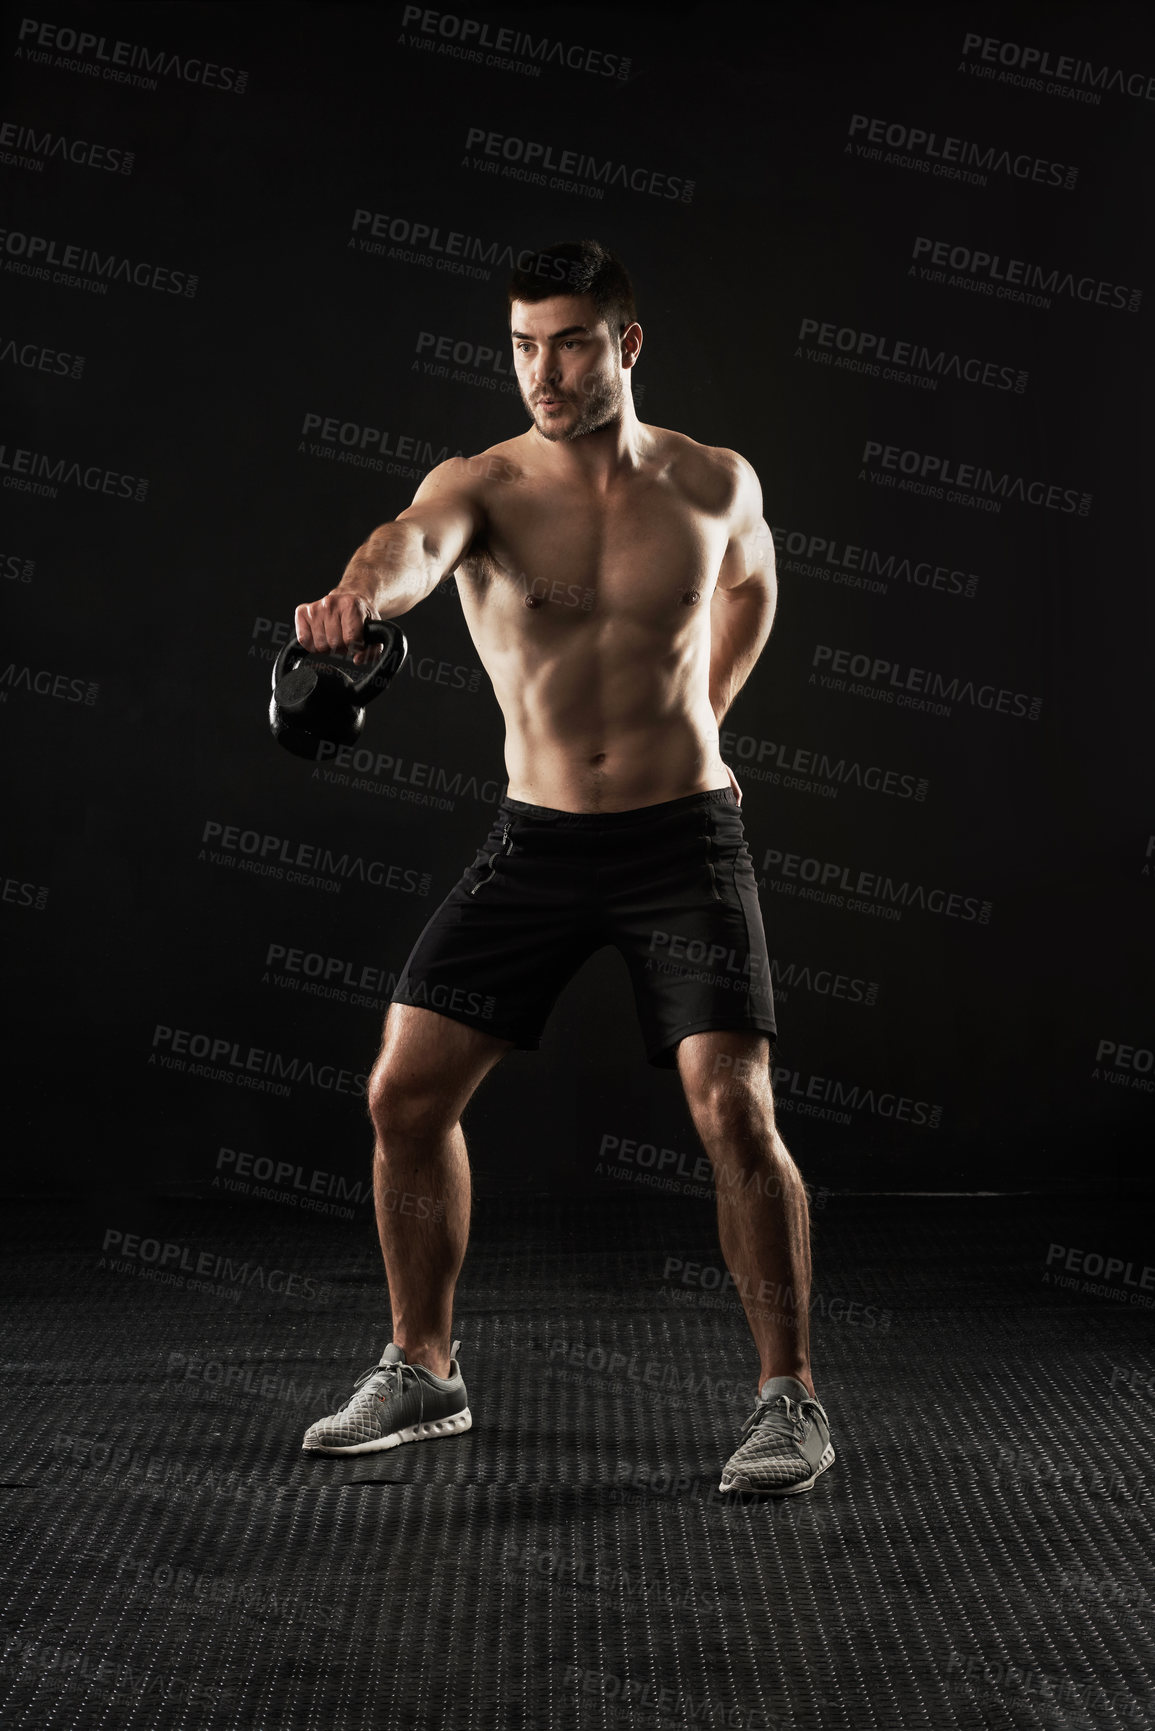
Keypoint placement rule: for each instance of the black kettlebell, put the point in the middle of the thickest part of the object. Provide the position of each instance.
(321, 697)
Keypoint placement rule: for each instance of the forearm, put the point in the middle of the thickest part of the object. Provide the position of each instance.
(739, 627)
(392, 570)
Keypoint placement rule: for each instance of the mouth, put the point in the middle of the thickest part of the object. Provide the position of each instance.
(550, 402)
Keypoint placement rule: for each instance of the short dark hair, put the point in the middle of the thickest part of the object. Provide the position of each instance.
(577, 267)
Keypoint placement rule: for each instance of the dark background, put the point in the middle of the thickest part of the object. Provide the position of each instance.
(1023, 1040)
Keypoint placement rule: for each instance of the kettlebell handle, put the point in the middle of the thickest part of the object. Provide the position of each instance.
(374, 679)
(365, 683)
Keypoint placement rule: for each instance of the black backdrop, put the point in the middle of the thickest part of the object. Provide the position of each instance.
(254, 261)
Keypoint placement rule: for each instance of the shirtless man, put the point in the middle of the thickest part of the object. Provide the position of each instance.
(618, 583)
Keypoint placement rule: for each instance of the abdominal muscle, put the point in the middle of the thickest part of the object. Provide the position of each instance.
(607, 726)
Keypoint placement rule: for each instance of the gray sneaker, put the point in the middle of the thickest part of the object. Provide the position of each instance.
(393, 1403)
(785, 1442)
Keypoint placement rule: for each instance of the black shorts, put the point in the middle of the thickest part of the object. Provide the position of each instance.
(671, 886)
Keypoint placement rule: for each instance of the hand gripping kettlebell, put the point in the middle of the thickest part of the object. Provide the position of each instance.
(319, 697)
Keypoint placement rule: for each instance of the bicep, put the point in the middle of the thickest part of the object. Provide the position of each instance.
(447, 510)
(748, 562)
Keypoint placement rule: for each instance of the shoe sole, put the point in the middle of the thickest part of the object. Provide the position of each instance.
(742, 1482)
(434, 1427)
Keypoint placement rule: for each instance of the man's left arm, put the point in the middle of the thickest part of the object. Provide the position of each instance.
(743, 603)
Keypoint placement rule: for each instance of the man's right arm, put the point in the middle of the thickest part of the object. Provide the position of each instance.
(401, 563)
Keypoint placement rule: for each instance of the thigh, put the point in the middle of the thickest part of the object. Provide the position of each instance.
(511, 932)
(690, 929)
(424, 1055)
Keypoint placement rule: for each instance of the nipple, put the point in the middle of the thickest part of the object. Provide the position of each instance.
(690, 596)
(533, 601)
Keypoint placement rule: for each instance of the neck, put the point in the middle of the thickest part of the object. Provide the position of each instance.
(598, 458)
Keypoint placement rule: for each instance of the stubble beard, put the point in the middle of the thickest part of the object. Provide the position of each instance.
(598, 406)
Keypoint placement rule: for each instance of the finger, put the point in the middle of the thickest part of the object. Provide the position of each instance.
(334, 633)
(354, 627)
(303, 628)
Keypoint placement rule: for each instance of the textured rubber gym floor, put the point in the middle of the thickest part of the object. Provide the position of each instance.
(980, 1555)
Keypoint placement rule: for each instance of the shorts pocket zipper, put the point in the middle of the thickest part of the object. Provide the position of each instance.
(505, 846)
(710, 867)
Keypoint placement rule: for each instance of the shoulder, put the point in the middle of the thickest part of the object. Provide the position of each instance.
(717, 479)
(473, 475)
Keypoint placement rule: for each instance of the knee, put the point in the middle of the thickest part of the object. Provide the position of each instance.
(733, 1113)
(405, 1106)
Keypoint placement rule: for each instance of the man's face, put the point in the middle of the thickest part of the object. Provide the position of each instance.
(567, 364)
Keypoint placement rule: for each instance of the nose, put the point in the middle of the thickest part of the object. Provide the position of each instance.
(545, 373)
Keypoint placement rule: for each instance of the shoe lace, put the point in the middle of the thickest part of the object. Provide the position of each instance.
(781, 1417)
(393, 1380)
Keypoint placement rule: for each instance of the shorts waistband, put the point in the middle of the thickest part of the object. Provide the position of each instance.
(636, 815)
